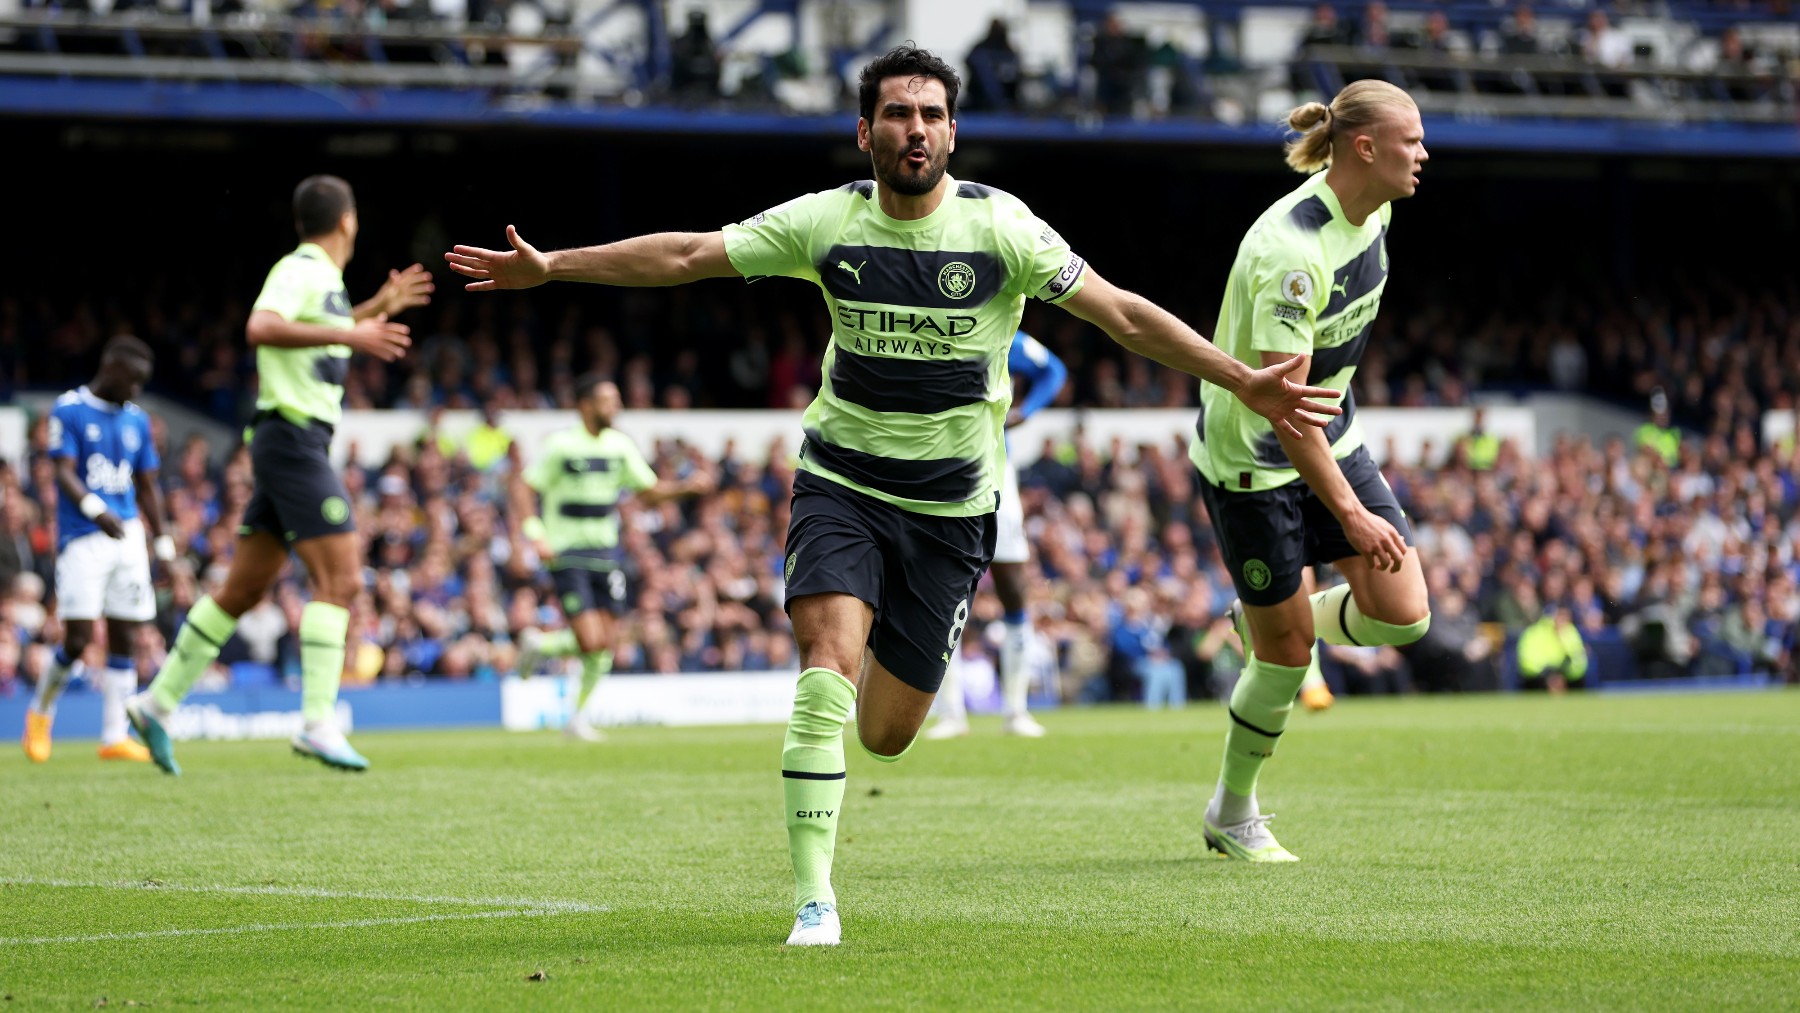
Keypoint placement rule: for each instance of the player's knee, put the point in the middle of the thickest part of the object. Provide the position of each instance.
(1009, 587)
(336, 588)
(1291, 648)
(119, 637)
(76, 640)
(839, 658)
(886, 745)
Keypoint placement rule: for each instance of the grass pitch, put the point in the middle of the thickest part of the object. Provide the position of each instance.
(1478, 853)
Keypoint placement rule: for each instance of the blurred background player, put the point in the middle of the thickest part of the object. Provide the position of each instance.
(304, 330)
(106, 468)
(1044, 375)
(1308, 281)
(582, 473)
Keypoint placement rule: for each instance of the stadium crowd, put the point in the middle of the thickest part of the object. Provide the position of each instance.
(1124, 70)
(1681, 564)
(1724, 352)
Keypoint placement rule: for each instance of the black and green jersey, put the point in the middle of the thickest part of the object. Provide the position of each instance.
(1305, 282)
(581, 478)
(915, 391)
(305, 287)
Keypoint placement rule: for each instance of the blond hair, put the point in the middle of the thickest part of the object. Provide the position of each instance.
(1354, 110)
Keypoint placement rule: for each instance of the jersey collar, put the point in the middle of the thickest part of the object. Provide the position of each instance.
(938, 214)
(93, 400)
(314, 251)
(1330, 197)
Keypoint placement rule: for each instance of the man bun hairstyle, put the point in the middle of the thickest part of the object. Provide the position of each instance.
(1356, 108)
(319, 202)
(909, 61)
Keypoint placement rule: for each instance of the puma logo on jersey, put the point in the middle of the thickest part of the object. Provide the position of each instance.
(855, 272)
(1343, 287)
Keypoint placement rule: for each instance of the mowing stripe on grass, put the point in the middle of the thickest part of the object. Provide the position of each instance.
(544, 906)
(353, 923)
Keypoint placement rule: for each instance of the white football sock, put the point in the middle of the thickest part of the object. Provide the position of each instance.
(1014, 685)
(56, 676)
(950, 705)
(115, 685)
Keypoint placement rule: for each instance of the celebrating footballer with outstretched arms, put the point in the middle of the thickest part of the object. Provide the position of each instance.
(892, 521)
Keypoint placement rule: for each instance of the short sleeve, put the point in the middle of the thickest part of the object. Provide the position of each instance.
(541, 474)
(1047, 268)
(779, 242)
(1287, 294)
(63, 427)
(285, 291)
(638, 473)
(147, 458)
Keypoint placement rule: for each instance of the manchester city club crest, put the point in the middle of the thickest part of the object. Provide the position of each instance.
(956, 280)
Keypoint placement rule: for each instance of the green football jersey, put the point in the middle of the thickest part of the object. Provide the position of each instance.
(305, 287)
(581, 478)
(915, 392)
(1305, 282)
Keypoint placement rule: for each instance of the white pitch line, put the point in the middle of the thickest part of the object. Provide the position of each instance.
(354, 923)
(548, 906)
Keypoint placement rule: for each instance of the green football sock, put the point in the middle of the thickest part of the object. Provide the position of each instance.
(1315, 676)
(560, 644)
(1259, 711)
(1339, 621)
(594, 667)
(812, 779)
(207, 628)
(324, 628)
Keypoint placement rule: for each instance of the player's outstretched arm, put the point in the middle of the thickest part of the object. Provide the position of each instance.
(662, 259)
(375, 336)
(698, 484)
(1154, 333)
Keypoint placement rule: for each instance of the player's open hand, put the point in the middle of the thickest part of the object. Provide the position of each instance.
(380, 337)
(1376, 541)
(520, 267)
(406, 289)
(109, 522)
(1286, 404)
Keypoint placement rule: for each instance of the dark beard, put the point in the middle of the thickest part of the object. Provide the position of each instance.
(900, 181)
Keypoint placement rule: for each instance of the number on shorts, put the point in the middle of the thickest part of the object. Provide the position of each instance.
(615, 585)
(956, 627)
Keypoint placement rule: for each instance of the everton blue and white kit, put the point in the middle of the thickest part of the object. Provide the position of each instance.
(1038, 366)
(96, 574)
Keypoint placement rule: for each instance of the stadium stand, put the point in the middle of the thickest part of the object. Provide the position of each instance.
(1691, 568)
(1727, 72)
(1669, 566)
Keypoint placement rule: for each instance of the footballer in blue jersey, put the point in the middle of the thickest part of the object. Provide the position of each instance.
(106, 467)
(1044, 375)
